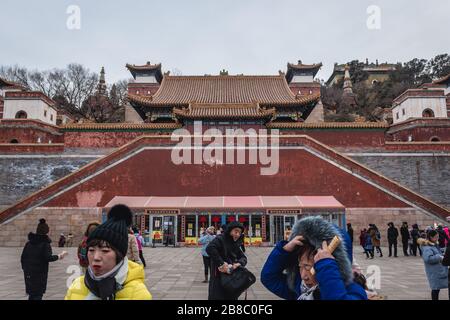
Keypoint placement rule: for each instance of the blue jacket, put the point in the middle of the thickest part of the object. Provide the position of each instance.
(328, 276)
(437, 274)
(204, 241)
(368, 245)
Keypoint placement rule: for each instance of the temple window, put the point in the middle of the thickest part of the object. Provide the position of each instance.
(428, 113)
(21, 115)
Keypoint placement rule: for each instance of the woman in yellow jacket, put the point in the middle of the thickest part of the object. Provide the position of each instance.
(110, 275)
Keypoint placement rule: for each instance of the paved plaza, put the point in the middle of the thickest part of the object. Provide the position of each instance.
(177, 273)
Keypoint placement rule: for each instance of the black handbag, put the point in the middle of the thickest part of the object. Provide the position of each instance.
(237, 281)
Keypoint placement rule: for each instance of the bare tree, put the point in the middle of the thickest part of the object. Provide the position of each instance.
(16, 74)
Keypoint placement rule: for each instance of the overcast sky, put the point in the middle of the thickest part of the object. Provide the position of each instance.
(205, 36)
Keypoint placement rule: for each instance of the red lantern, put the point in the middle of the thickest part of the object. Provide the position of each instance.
(231, 218)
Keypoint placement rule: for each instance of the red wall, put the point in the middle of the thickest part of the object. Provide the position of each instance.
(304, 89)
(423, 134)
(333, 138)
(344, 137)
(143, 88)
(28, 131)
(101, 139)
(152, 172)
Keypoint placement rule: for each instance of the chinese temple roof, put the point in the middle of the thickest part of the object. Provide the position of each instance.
(224, 111)
(183, 90)
(312, 68)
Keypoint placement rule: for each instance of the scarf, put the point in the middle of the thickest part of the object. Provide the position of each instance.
(104, 287)
(306, 293)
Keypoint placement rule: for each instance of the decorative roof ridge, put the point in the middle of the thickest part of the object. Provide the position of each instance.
(313, 125)
(121, 125)
(304, 66)
(205, 76)
(143, 67)
(423, 89)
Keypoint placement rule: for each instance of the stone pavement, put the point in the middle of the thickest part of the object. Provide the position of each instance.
(177, 273)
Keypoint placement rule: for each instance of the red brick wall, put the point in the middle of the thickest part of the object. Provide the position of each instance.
(101, 139)
(423, 134)
(143, 88)
(1, 107)
(344, 137)
(304, 89)
(151, 172)
(27, 132)
(334, 138)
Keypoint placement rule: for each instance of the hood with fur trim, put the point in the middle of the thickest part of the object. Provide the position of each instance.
(425, 242)
(315, 230)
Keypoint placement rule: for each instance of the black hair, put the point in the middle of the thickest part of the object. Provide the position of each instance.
(96, 224)
(105, 244)
(292, 268)
(431, 234)
(360, 279)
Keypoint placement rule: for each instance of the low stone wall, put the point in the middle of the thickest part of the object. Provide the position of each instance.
(60, 220)
(75, 221)
(360, 218)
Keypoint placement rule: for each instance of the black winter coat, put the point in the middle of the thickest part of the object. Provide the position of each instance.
(442, 237)
(405, 234)
(392, 234)
(446, 260)
(35, 258)
(415, 234)
(223, 249)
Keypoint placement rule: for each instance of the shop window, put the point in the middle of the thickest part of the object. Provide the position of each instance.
(190, 226)
(244, 219)
(203, 223)
(216, 221)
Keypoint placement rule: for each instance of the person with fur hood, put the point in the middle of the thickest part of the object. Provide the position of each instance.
(287, 271)
(436, 272)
